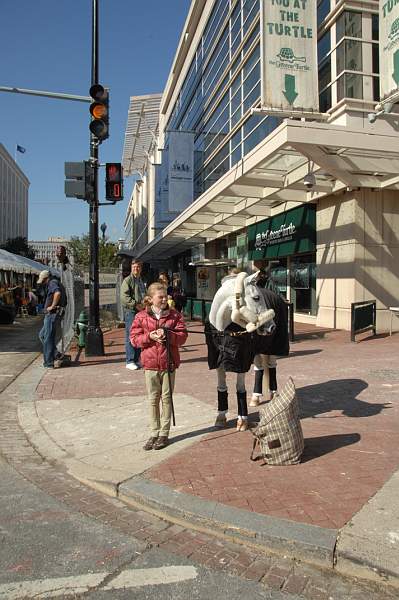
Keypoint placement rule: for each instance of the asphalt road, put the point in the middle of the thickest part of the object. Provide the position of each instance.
(46, 548)
(19, 346)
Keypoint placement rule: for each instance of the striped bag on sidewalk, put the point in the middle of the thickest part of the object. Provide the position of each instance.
(279, 432)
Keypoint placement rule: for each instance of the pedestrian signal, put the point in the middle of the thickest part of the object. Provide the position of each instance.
(99, 110)
(113, 181)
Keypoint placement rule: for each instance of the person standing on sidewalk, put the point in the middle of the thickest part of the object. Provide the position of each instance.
(132, 295)
(265, 361)
(52, 317)
(149, 333)
(262, 361)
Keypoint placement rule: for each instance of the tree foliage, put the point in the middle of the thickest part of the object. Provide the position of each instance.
(19, 245)
(79, 248)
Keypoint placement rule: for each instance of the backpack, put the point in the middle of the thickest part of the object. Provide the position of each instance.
(279, 433)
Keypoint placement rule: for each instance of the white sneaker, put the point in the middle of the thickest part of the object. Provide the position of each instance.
(132, 366)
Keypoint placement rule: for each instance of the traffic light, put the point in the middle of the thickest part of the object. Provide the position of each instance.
(99, 110)
(79, 180)
(113, 181)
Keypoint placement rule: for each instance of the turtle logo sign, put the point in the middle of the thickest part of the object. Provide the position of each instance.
(287, 55)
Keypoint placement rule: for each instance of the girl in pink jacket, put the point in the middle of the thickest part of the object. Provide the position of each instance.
(148, 333)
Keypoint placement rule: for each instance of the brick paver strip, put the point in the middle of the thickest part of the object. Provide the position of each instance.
(233, 558)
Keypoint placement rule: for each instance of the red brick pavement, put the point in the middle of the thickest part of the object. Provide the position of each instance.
(349, 403)
(273, 571)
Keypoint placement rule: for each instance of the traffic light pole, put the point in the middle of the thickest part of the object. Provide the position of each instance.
(94, 339)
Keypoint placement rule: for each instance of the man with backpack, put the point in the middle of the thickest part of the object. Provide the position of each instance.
(54, 309)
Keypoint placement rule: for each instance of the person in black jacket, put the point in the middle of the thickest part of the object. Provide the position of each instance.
(269, 347)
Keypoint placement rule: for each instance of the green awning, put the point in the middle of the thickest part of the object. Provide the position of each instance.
(288, 233)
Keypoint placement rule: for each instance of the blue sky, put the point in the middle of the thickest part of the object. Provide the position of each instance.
(46, 45)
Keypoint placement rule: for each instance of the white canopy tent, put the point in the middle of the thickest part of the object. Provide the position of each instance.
(21, 264)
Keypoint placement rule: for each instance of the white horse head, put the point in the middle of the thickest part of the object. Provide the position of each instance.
(238, 300)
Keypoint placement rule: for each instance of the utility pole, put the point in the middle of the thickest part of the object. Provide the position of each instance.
(94, 340)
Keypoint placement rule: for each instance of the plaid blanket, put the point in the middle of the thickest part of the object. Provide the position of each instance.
(279, 433)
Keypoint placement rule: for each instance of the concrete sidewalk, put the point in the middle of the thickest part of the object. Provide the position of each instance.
(338, 506)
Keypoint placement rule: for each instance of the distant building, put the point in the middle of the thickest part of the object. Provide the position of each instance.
(14, 187)
(45, 251)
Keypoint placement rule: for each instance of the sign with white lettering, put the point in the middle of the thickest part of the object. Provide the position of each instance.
(287, 233)
(289, 55)
(389, 47)
(181, 170)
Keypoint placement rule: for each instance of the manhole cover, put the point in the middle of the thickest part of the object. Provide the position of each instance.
(385, 374)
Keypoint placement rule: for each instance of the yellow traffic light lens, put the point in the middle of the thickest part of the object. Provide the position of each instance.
(99, 111)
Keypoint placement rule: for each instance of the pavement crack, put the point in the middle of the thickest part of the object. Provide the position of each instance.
(111, 576)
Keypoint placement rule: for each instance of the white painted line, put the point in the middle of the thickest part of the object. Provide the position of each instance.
(155, 576)
(68, 586)
(50, 588)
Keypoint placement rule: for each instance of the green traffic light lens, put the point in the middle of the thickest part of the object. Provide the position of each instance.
(98, 129)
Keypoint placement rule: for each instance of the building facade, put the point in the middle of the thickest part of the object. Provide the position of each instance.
(46, 250)
(14, 186)
(314, 194)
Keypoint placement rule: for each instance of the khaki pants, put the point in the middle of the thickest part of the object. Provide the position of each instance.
(157, 384)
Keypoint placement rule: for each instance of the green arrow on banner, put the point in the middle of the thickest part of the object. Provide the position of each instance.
(290, 92)
(395, 73)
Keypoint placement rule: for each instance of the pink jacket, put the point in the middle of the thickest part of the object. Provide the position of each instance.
(153, 354)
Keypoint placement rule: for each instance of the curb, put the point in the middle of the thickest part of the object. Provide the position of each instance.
(308, 542)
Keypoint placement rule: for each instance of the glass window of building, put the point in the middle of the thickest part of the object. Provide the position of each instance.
(350, 85)
(324, 46)
(375, 30)
(376, 58)
(349, 24)
(303, 283)
(349, 56)
(323, 8)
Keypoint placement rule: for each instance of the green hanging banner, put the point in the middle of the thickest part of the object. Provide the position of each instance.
(288, 233)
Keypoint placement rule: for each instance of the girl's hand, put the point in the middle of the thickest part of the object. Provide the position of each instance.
(161, 334)
(154, 335)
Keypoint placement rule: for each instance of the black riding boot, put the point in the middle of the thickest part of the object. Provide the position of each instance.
(242, 408)
(273, 379)
(258, 382)
(222, 401)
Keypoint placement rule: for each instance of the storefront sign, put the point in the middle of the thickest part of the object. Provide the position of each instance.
(389, 47)
(289, 54)
(181, 170)
(285, 234)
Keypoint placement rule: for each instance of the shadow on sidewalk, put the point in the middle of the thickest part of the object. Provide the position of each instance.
(312, 334)
(318, 446)
(86, 362)
(191, 434)
(294, 353)
(337, 395)
(198, 359)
